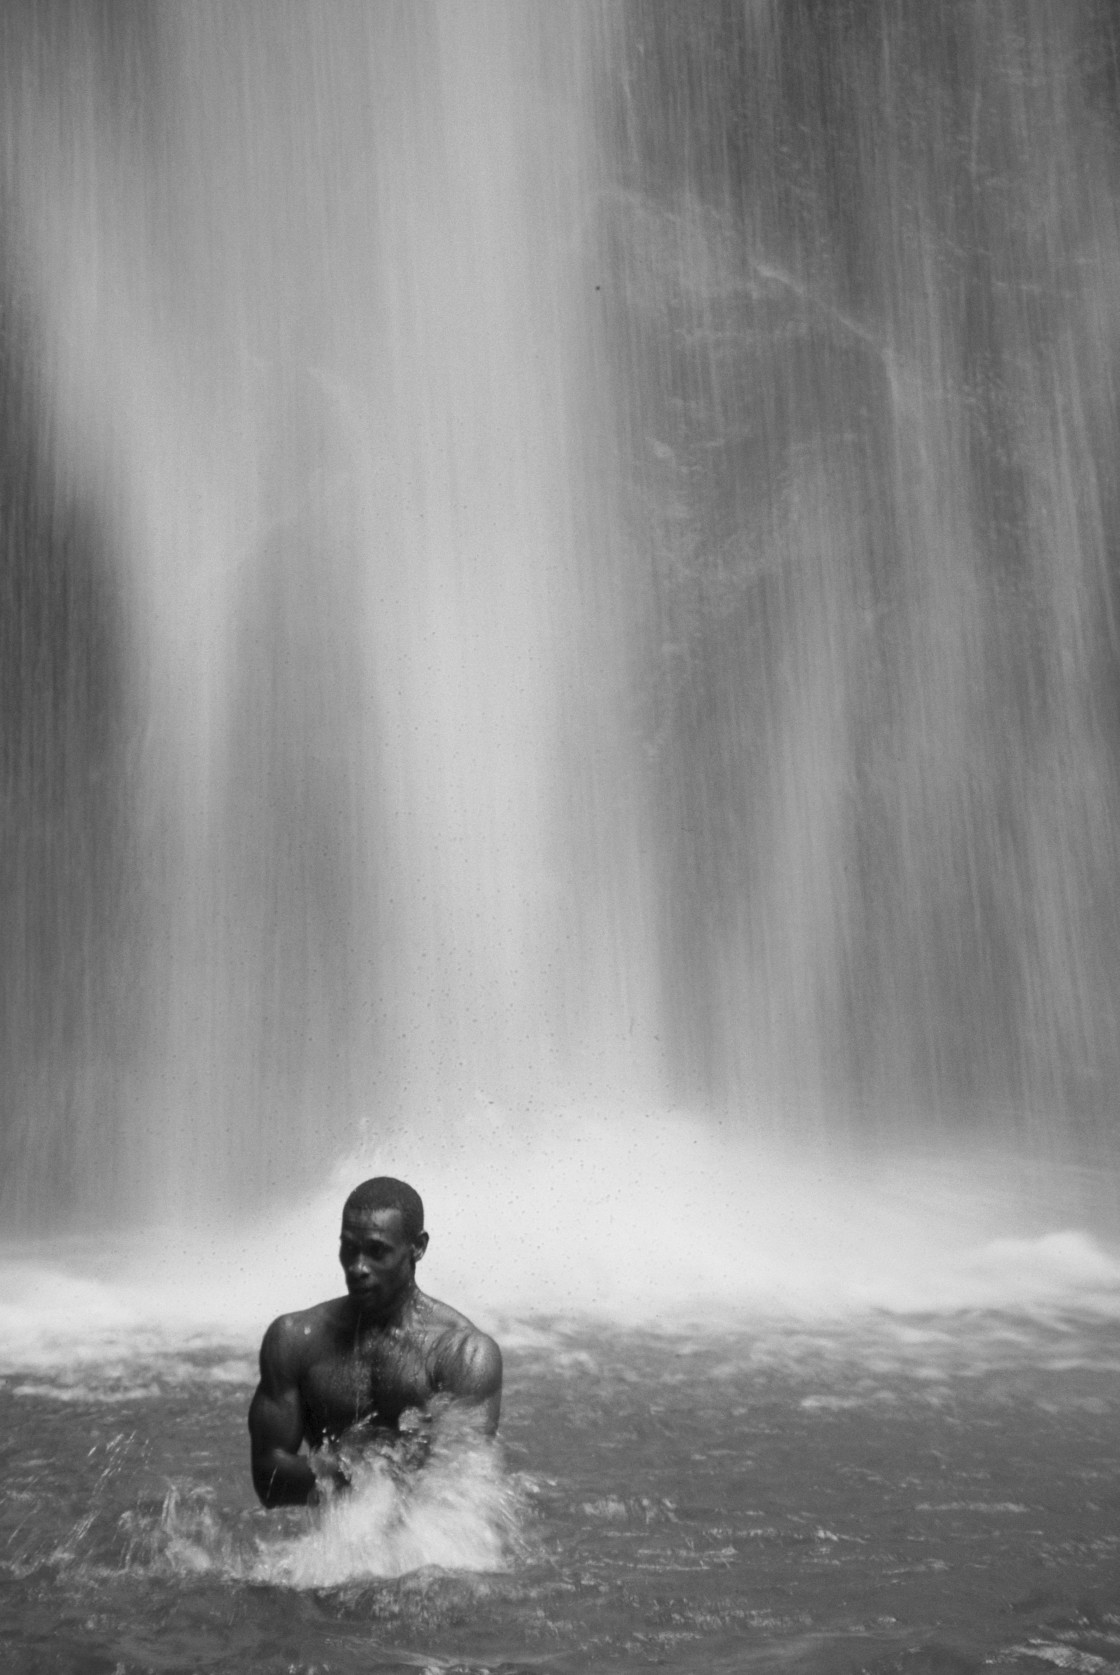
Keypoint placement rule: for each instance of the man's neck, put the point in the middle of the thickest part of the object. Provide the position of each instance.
(394, 1314)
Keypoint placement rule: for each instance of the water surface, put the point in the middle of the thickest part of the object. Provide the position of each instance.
(928, 1492)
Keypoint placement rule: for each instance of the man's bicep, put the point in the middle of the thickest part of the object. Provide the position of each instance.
(276, 1412)
(275, 1423)
(477, 1377)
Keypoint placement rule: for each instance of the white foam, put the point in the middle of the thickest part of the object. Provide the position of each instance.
(641, 1218)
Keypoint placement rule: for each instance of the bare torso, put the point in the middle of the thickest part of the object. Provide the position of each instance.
(348, 1373)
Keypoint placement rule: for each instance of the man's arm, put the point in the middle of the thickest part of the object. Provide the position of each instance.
(470, 1372)
(282, 1476)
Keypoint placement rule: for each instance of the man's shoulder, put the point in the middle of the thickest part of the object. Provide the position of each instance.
(462, 1348)
(300, 1331)
(441, 1319)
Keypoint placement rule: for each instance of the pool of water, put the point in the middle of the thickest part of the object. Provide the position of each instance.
(883, 1492)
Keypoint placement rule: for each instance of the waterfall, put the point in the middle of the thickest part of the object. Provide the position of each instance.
(553, 554)
(867, 256)
(312, 372)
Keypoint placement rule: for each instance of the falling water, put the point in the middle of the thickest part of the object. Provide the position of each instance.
(312, 369)
(868, 258)
(554, 555)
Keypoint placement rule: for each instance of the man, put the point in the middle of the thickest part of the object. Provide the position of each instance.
(385, 1358)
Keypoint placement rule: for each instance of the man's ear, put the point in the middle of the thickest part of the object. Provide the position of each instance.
(419, 1247)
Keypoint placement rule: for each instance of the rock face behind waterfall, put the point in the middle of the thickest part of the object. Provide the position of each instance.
(870, 336)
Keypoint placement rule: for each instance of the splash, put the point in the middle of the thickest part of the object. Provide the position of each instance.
(462, 1512)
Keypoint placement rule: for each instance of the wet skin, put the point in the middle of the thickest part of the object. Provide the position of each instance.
(382, 1354)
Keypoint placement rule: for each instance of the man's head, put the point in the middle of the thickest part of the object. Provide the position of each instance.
(382, 1240)
(382, 1192)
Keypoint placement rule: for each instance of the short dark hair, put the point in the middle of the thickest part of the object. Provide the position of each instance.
(382, 1192)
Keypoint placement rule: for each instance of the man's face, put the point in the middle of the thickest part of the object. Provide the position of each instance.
(377, 1258)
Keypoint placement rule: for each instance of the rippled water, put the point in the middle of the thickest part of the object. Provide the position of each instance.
(927, 1492)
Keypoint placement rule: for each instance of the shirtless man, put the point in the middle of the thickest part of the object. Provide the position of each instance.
(377, 1358)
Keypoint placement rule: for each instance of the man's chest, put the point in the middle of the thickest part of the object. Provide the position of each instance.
(375, 1380)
